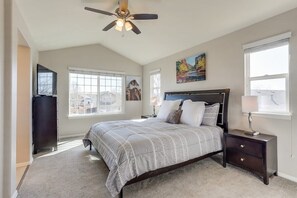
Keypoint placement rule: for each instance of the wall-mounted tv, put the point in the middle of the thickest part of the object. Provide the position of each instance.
(46, 81)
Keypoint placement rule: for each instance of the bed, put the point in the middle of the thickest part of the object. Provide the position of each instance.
(134, 150)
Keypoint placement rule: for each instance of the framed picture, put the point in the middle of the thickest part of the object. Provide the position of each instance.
(191, 69)
(133, 88)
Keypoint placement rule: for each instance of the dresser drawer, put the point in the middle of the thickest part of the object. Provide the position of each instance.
(245, 161)
(245, 146)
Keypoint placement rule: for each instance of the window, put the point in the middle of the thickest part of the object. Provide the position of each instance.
(155, 87)
(95, 92)
(267, 73)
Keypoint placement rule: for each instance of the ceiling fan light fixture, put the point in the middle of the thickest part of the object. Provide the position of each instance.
(128, 26)
(120, 22)
(119, 28)
(123, 17)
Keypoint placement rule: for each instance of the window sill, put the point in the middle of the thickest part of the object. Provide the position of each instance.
(71, 117)
(280, 116)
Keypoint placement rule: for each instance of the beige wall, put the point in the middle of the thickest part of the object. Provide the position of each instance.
(1, 92)
(225, 69)
(23, 105)
(91, 57)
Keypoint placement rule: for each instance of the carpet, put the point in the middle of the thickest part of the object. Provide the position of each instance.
(75, 172)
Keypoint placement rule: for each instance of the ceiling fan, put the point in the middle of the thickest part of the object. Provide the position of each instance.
(123, 17)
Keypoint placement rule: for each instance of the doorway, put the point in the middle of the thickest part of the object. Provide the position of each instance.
(23, 133)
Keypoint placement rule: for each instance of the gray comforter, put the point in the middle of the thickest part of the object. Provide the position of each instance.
(133, 147)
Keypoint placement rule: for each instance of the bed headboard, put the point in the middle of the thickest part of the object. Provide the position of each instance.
(210, 96)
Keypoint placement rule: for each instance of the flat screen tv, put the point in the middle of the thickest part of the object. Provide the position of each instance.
(46, 81)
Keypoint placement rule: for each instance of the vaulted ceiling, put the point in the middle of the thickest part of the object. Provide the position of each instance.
(182, 24)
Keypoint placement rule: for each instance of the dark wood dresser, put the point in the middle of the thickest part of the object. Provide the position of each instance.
(44, 123)
(257, 154)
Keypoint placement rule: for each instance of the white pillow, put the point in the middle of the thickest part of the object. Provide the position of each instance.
(192, 113)
(167, 107)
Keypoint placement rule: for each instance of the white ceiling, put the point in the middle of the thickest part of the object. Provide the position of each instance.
(182, 24)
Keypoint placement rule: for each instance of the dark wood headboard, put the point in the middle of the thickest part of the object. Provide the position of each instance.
(210, 96)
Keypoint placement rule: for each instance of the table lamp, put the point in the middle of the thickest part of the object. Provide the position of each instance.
(250, 104)
(154, 103)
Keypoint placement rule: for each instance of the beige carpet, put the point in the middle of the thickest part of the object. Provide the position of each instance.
(75, 172)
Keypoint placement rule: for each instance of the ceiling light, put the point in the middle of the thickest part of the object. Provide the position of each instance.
(128, 26)
(119, 28)
(120, 22)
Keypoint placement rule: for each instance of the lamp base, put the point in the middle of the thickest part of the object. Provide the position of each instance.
(252, 133)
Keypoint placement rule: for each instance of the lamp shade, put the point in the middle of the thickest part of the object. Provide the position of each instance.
(249, 103)
(120, 22)
(119, 28)
(128, 26)
(154, 101)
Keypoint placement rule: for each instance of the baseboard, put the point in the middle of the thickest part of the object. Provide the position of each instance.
(18, 165)
(72, 135)
(31, 159)
(289, 177)
(15, 194)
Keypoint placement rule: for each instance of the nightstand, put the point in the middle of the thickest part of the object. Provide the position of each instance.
(148, 116)
(257, 154)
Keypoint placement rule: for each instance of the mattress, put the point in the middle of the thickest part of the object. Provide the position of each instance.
(133, 147)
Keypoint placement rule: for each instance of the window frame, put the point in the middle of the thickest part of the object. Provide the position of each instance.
(261, 45)
(152, 88)
(98, 73)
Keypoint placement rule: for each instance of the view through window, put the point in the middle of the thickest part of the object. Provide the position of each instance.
(45, 83)
(267, 76)
(95, 93)
(155, 88)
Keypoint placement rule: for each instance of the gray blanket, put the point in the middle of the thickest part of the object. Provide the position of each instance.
(133, 147)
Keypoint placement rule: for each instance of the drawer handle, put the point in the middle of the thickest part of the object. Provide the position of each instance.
(242, 146)
(242, 159)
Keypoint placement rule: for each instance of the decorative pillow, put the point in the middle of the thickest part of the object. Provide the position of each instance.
(174, 117)
(167, 107)
(192, 112)
(211, 113)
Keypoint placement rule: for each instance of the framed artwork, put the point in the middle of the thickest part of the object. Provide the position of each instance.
(191, 69)
(133, 88)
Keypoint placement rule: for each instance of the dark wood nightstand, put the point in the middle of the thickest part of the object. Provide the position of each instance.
(148, 116)
(257, 154)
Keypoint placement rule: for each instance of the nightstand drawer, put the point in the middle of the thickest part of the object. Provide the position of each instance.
(245, 161)
(257, 154)
(245, 146)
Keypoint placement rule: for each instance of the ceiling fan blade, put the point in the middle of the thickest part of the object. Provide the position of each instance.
(110, 25)
(134, 28)
(144, 16)
(123, 4)
(99, 11)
